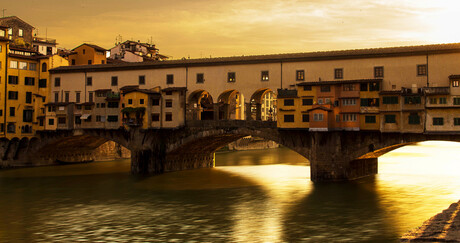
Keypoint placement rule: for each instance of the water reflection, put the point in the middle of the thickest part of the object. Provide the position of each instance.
(251, 196)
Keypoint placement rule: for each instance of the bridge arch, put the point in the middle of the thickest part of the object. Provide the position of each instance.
(231, 105)
(200, 105)
(263, 105)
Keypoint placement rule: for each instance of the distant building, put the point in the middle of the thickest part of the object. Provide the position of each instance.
(87, 54)
(131, 51)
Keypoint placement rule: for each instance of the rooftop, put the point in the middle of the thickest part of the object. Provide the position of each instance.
(272, 58)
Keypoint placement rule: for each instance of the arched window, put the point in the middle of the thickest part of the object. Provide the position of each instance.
(44, 69)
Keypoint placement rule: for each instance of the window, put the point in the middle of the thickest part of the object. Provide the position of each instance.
(300, 75)
(73, 62)
(457, 121)
(320, 101)
(29, 81)
(56, 97)
(90, 62)
(338, 73)
(264, 76)
(443, 100)
(288, 118)
(33, 66)
(378, 72)
(327, 101)
(28, 97)
(305, 118)
(102, 62)
(90, 96)
(12, 79)
(2, 33)
(325, 88)
(42, 83)
(231, 77)
(307, 87)
(10, 31)
(57, 82)
(307, 101)
(89, 81)
(77, 97)
(369, 102)
(412, 100)
(112, 118)
(349, 117)
(1, 112)
(438, 121)
(363, 87)
(390, 100)
(114, 81)
(61, 121)
(168, 92)
(169, 79)
(44, 67)
(12, 95)
(141, 79)
(370, 119)
(155, 102)
(374, 86)
(21, 33)
(141, 101)
(23, 65)
(12, 111)
(288, 102)
(130, 101)
(433, 101)
(155, 117)
(168, 103)
(455, 83)
(318, 117)
(456, 101)
(414, 118)
(421, 70)
(200, 78)
(51, 122)
(11, 128)
(168, 117)
(14, 64)
(98, 118)
(390, 118)
(84, 51)
(112, 105)
(349, 102)
(67, 96)
(348, 87)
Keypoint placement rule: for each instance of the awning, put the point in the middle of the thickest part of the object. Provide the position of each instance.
(85, 116)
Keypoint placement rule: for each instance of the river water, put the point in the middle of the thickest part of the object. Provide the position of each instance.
(251, 196)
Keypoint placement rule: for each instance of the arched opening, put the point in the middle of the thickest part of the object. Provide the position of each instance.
(263, 105)
(200, 106)
(231, 105)
(44, 67)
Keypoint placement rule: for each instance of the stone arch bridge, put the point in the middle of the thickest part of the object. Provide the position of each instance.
(335, 155)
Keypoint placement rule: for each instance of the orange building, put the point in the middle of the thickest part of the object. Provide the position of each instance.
(87, 54)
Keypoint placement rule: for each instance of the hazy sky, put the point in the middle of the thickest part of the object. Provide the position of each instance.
(200, 28)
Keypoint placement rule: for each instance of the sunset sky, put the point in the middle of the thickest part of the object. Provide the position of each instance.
(203, 28)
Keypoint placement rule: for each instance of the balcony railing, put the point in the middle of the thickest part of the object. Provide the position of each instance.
(437, 90)
(47, 40)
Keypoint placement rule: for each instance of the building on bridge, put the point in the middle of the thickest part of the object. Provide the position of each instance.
(408, 89)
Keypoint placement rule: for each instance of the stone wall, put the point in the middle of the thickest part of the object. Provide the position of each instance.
(110, 151)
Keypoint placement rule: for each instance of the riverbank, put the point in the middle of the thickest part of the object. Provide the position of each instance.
(443, 227)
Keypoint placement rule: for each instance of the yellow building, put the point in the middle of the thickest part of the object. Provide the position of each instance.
(87, 54)
(289, 111)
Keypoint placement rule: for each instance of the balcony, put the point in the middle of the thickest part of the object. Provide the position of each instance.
(45, 40)
(113, 96)
(132, 122)
(436, 90)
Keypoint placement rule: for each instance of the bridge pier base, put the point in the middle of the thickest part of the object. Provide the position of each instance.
(147, 162)
(323, 171)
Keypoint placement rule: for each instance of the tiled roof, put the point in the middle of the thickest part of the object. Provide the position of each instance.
(289, 57)
(98, 48)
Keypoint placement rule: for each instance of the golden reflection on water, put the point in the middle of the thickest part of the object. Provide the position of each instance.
(251, 196)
